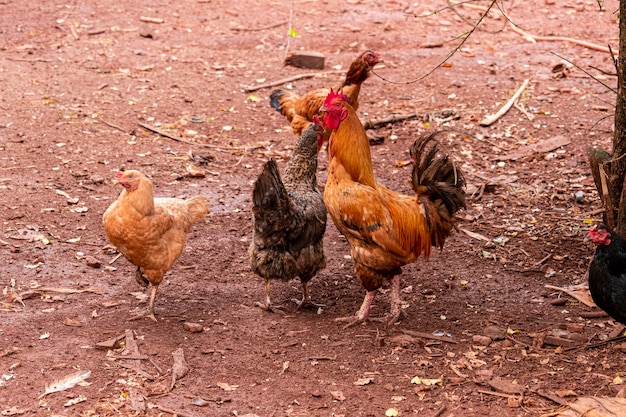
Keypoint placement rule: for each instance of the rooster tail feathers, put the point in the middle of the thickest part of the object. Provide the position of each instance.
(198, 208)
(275, 97)
(436, 178)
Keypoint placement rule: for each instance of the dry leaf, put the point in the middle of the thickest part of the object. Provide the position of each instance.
(338, 395)
(70, 322)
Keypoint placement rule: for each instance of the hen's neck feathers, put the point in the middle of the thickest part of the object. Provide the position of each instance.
(141, 199)
(302, 168)
(349, 144)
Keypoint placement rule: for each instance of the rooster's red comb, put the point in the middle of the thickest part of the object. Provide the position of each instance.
(334, 95)
(120, 175)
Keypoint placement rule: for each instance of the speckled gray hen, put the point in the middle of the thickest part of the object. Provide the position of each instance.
(289, 220)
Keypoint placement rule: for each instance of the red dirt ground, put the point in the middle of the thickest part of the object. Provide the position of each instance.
(77, 78)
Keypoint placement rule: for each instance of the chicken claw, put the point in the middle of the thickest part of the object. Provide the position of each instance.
(148, 314)
(306, 301)
(267, 305)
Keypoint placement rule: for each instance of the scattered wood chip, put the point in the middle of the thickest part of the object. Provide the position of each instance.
(151, 19)
(506, 386)
(306, 59)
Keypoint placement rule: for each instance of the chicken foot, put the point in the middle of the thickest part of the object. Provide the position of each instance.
(267, 305)
(306, 301)
(149, 313)
(362, 314)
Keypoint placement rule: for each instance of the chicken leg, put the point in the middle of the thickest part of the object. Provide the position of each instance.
(306, 301)
(363, 313)
(149, 313)
(267, 305)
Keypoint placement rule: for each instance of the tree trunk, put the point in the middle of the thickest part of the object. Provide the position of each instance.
(618, 164)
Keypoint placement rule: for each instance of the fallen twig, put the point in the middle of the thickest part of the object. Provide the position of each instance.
(429, 336)
(534, 38)
(27, 59)
(275, 25)
(507, 106)
(289, 79)
(523, 110)
(593, 314)
(205, 145)
(394, 118)
(322, 358)
(95, 290)
(597, 344)
(170, 411)
(113, 126)
(497, 394)
(440, 411)
(115, 258)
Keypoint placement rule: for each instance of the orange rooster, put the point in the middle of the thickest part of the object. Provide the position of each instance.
(300, 110)
(385, 229)
(150, 232)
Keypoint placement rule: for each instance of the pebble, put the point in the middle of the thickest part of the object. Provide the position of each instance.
(92, 262)
(494, 332)
(192, 327)
(481, 340)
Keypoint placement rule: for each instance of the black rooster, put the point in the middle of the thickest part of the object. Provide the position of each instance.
(289, 220)
(607, 273)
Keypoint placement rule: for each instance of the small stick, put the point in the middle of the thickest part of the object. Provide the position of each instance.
(261, 28)
(440, 411)
(288, 79)
(593, 314)
(115, 258)
(73, 30)
(507, 106)
(376, 123)
(151, 19)
(429, 336)
(497, 394)
(542, 261)
(206, 145)
(28, 60)
(113, 126)
(322, 358)
(521, 108)
(172, 412)
(534, 38)
(158, 368)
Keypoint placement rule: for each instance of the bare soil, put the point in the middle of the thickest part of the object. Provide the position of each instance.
(78, 78)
